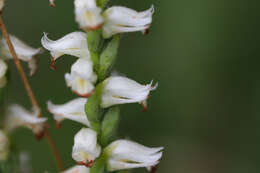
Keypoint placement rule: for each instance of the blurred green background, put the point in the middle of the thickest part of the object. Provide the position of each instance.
(205, 56)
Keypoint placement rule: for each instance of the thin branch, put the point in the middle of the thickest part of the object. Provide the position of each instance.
(29, 91)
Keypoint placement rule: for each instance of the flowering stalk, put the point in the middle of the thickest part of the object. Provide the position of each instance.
(29, 90)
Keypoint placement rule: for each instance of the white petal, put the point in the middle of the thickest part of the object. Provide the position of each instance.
(17, 116)
(4, 145)
(121, 19)
(82, 78)
(120, 90)
(3, 70)
(24, 52)
(74, 44)
(87, 14)
(73, 110)
(125, 154)
(77, 169)
(85, 147)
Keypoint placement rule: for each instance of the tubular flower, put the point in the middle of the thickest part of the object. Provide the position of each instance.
(23, 51)
(125, 154)
(17, 117)
(87, 14)
(121, 90)
(74, 44)
(77, 169)
(82, 78)
(3, 69)
(4, 146)
(85, 149)
(121, 19)
(73, 110)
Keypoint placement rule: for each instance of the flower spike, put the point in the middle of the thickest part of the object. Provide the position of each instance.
(82, 78)
(125, 154)
(73, 110)
(88, 15)
(121, 90)
(23, 51)
(85, 149)
(121, 19)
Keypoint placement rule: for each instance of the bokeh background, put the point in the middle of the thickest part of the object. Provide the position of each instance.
(203, 53)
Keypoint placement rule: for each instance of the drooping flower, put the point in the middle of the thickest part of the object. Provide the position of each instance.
(73, 110)
(4, 146)
(125, 154)
(82, 78)
(77, 169)
(121, 19)
(121, 90)
(17, 116)
(87, 14)
(24, 52)
(74, 44)
(85, 149)
(3, 69)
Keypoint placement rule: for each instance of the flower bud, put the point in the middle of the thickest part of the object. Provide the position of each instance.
(82, 78)
(3, 69)
(86, 149)
(121, 90)
(125, 154)
(2, 3)
(4, 146)
(73, 110)
(73, 44)
(87, 14)
(121, 19)
(17, 117)
(77, 169)
(24, 52)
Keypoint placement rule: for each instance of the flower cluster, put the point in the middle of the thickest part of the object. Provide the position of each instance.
(98, 91)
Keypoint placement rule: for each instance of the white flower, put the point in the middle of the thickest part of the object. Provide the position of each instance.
(87, 14)
(85, 149)
(82, 78)
(2, 3)
(77, 169)
(3, 69)
(17, 117)
(120, 90)
(73, 110)
(74, 44)
(121, 19)
(125, 154)
(4, 146)
(24, 52)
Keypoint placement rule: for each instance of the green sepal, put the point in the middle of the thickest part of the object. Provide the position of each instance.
(93, 40)
(108, 57)
(102, 3)
(109, 124)
(93, 110)
(99, 165)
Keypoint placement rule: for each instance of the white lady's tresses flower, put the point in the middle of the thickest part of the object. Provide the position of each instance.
(17, 117)
(4, 146)
(73, 110)
(24, 52)
(82, 78)
(85, 149)
(74, 44)
(121, 19)
(87, 14)
(3, 69)
(125, 154)
(121, 90)
(77, 169)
